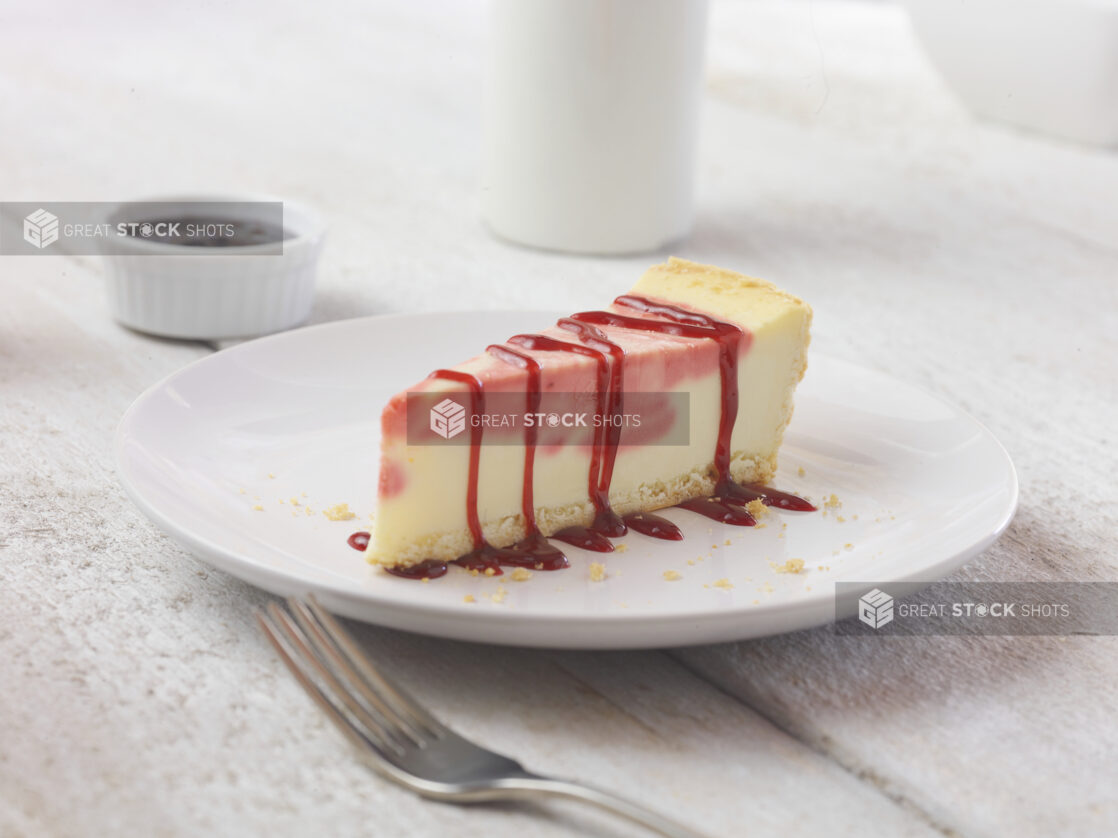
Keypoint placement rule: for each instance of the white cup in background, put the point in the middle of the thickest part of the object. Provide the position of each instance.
(592, 118)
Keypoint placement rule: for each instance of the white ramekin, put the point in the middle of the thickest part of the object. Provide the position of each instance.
(175, 291)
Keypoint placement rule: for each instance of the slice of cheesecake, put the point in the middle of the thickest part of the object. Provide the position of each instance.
(704, 358)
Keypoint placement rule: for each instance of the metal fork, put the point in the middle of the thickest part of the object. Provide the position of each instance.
(399, 738)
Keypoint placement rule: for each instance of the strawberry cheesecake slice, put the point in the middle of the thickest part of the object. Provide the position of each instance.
(677, 393)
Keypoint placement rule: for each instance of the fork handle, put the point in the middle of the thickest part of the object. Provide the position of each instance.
(534, 785)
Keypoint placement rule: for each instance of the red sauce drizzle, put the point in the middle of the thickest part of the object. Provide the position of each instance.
(606, 522)
(587, 538)
(533, 550)
(359, 541)
(483, 551)
(771, 497)
(543, 343)
(532, 367)
(653, 525)
(690, 324)
(721, 510)
(429, 569)
(606, 436)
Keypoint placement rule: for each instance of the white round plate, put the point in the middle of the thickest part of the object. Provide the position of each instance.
(237, 456)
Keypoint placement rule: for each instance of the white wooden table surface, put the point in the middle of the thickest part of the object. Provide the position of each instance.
(137, 697)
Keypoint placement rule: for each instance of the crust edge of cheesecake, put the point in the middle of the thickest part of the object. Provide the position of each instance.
(506, 531)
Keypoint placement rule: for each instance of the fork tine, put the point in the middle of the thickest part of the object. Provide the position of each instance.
(358, 736)
(371, 678)
(374, 703)
(301, 657)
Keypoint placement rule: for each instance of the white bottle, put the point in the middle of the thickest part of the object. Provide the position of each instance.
(592, 121)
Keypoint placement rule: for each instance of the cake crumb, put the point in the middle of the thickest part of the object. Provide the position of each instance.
(281, 500)
(258, 508)
(714, 547)
(621, 548)
(271, 476)
(790, 566)
(520, 574)
(691, 562)
(728, 542)
(469, 598)
(294, 501)
(498, 596)
(597, 571)
(757, 509)
(724, 583)
(672, 575)
(242, 491)
(489, 571)
(308, 510)
(339, 512)
(848, 546)
(841, 519)
(832, 502)
(800, 471)
(425, 579)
